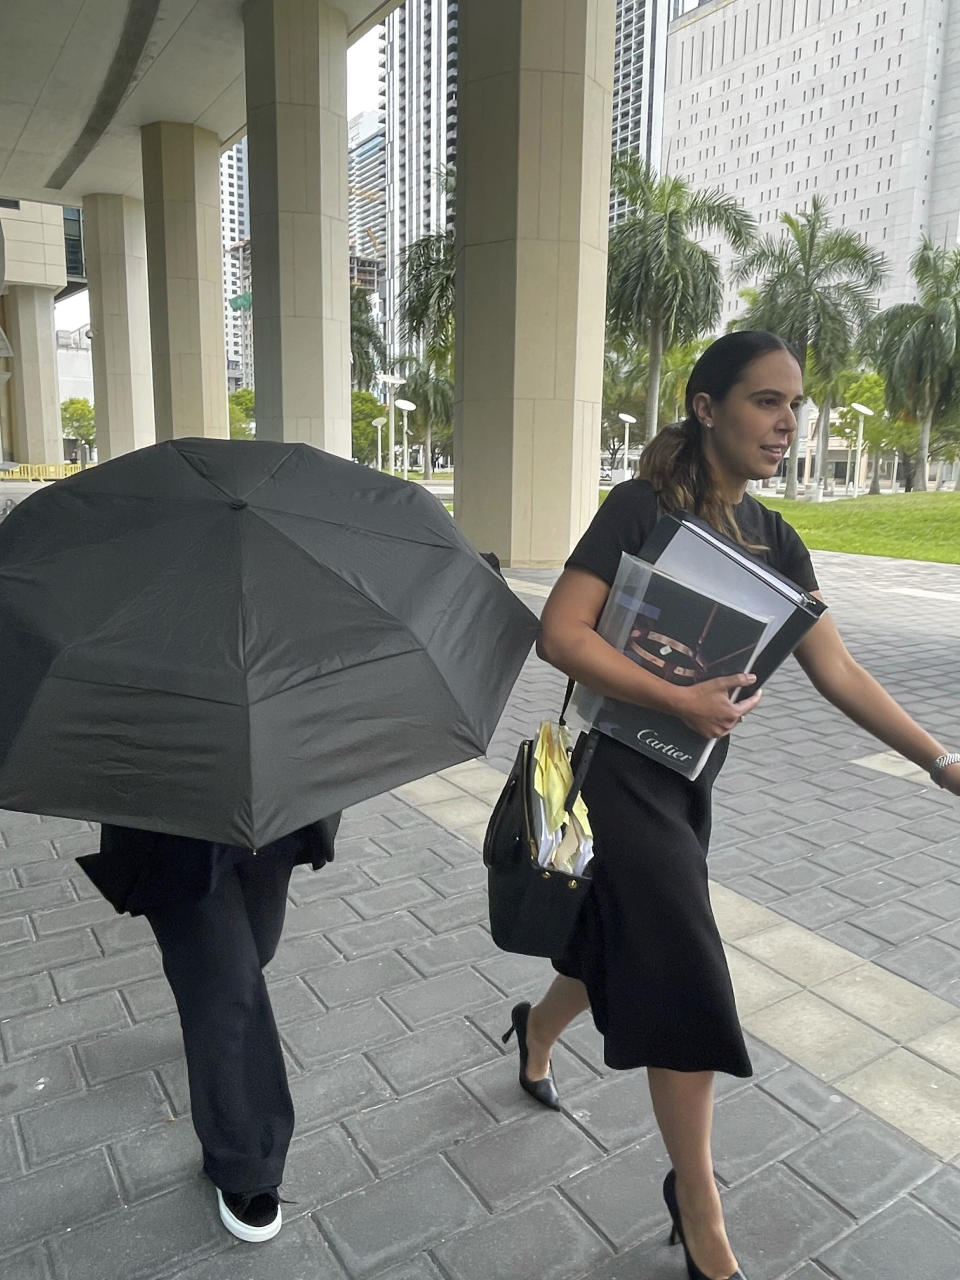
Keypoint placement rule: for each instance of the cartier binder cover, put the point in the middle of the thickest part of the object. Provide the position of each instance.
(708, 608)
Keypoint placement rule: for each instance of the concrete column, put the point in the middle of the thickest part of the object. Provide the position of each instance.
(533, 180)
(37, 436)
(181, 195)
(116, 254)
(296, 62)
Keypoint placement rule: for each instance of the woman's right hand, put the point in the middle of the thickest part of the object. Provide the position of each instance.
(706, 707)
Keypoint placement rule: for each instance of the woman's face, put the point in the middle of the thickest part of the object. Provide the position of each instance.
(747, 434)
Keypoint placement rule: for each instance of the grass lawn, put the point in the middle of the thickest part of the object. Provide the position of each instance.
(907, 526)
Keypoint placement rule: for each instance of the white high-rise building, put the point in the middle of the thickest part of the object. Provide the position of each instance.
(367, 170)
(857, 100)
(234, 228)
(420, 51)
(638, 80)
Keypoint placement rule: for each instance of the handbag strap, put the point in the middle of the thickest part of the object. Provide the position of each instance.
(566, 701)
(582, 752)
(580, 760)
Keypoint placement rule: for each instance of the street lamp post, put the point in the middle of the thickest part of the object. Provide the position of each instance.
(626, 419)
(405, 407)
(861, 409)
(392, 380)
(379, 423)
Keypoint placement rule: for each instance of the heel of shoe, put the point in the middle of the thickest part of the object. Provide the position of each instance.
(508, 1033)
(674, 1235)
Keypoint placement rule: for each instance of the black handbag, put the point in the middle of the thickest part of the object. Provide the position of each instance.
(533, 909)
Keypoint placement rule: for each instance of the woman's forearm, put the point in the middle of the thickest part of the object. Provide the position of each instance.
(858, 695)
(593, 662)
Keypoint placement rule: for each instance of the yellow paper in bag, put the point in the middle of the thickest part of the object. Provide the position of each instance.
(553, 779)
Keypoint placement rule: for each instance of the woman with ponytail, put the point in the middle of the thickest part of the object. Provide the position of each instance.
(646, 958)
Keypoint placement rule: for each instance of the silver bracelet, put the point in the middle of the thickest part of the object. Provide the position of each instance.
(941, 763)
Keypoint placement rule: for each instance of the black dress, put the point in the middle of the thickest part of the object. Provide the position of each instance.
(647, 946)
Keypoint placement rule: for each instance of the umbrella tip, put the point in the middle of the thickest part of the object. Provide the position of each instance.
(237, 504)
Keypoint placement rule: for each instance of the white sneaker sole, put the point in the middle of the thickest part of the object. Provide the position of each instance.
(242, 1230)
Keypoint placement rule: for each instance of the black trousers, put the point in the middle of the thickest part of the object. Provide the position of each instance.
(214, 951)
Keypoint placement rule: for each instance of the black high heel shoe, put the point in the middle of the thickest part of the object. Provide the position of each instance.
(676, 1232)
(545, 1091)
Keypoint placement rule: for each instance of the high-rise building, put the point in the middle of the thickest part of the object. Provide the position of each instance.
(241, 314)
(420, 66)
(777, 102)
(367, 171)
(638, 78)
(234, 229)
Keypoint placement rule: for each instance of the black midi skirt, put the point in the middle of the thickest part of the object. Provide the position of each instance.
(646, 945)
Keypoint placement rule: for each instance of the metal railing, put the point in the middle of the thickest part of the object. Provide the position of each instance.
(40, 471)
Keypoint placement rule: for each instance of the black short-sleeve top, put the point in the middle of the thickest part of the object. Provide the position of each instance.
(626, 519)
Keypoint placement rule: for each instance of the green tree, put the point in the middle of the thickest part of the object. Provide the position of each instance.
(816, 287)
(77, 420)
(625, 369)
(242, 413)
(429, 385)
(827, 388)
(663, 287)
(916, 346)
(364, 407)
(678, 364)
(368, 353)
(880, 434)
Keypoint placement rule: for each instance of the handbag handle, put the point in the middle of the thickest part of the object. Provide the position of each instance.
(580, 759)
(582, 753)
(566, 701)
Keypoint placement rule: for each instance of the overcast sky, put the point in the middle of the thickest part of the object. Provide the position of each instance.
(362, 72)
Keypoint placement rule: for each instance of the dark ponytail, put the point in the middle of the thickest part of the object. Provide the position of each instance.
(674, 461)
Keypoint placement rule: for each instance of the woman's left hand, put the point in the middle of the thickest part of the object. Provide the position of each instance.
(950, 779)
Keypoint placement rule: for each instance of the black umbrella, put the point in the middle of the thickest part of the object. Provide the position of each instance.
(230, 639)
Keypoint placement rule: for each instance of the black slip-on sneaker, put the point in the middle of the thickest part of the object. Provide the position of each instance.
(253, 1218)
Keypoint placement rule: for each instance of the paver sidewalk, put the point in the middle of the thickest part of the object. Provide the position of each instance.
(416, 1155)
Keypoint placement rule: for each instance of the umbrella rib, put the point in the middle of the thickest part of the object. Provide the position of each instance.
(420, 645)
(213, 484)
(223, 702)
(265, 512)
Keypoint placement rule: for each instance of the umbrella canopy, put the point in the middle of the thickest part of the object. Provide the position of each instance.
(229, 639)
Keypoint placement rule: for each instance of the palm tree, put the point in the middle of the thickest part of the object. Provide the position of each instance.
(677, 366)
(427, 272)
(817, 287)
(826, 383)
(429, 384)
(916, 346)
(663, 287)
(368, 352)
(427, 280)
